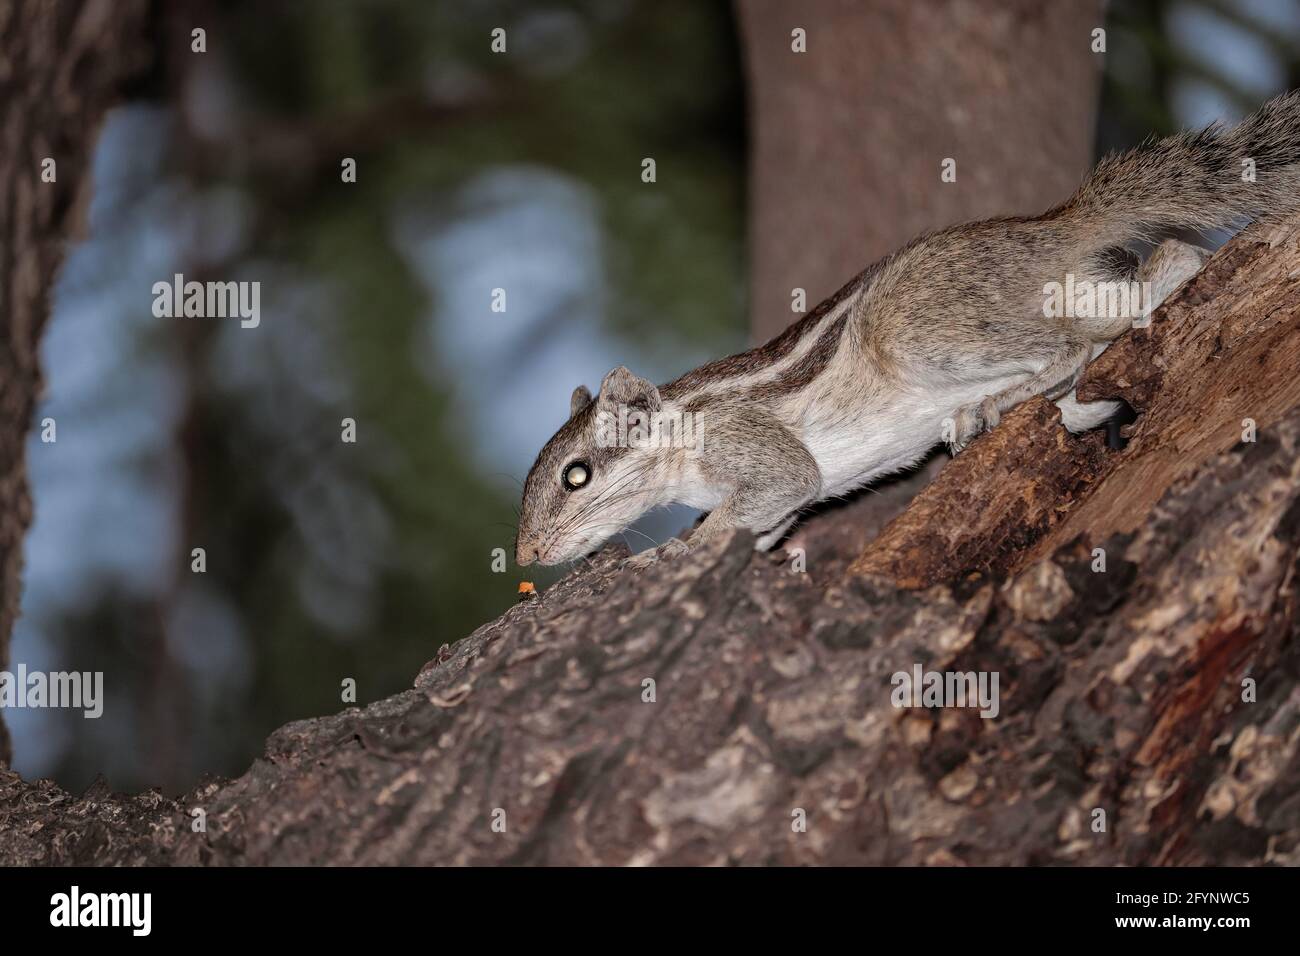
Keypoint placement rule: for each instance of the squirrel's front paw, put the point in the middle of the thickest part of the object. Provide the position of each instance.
(671, 548)
(973, 419)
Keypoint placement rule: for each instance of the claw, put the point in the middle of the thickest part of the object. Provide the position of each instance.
(973, 420)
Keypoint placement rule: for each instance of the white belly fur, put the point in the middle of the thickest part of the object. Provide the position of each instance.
(889, 440)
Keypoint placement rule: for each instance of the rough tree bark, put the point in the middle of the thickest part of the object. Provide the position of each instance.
(62, 62)
(847, 138)
(1160, 687)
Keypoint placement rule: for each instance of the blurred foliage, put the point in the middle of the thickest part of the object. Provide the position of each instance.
(1149, 62)
(587, 89)
(412, 90)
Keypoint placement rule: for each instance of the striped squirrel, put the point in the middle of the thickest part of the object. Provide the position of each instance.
(931, 344)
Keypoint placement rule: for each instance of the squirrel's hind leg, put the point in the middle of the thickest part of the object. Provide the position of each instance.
(1054, 379)
(1165, 270)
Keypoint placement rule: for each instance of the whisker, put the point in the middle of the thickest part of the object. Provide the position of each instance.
(508, 477)
(653, 542)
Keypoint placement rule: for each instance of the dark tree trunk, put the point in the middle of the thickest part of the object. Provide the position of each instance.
(847, 139)
(1147, 709)
(62, 63)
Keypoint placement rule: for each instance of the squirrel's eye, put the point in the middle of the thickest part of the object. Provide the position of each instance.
(576, 475)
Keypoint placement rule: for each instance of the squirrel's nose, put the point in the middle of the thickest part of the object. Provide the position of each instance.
(525, 552)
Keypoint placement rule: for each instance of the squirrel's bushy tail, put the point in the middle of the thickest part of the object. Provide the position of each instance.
(1196, 179)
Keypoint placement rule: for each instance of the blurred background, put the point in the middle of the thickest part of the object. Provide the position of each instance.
(475, 171)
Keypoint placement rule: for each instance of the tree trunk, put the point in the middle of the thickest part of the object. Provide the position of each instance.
(61, 64)
(1146, 709)
(848, 138)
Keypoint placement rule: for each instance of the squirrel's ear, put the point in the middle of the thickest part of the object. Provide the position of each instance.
(621, 387)
(580, 400)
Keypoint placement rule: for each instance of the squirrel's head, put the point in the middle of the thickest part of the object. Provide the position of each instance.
(586, 485)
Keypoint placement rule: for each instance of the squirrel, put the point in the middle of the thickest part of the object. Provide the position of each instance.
(930, 344)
